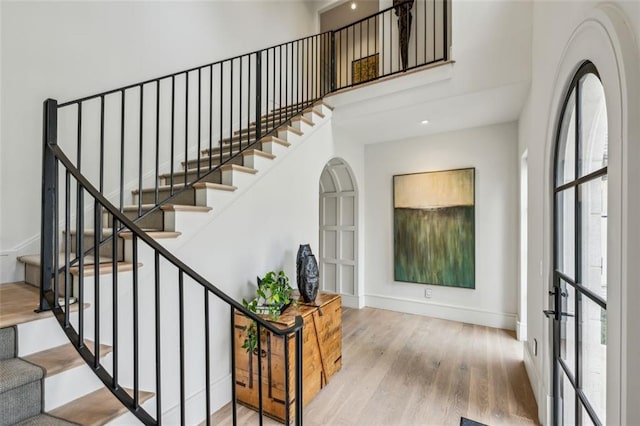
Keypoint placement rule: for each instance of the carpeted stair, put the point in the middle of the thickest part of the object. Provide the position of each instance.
(20, 387)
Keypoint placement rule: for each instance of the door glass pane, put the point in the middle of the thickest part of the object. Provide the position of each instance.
(565, 227)
(593, 125)
(568, 401)
(568, 326)
(566, 161)
(593, 214)
(593, 355)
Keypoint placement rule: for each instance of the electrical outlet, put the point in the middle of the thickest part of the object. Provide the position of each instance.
(427, 293)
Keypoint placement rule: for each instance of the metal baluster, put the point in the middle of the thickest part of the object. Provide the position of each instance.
(122, 111)
(221, 114)
(210, 114)
(140, 151)
(157, 174)
(186, 129)
(97, 237)
(260, 404)
(181, 309)
(56, 239)
(101, 144)
(207, 360)
(199, 120)
(445, 29)
(287, 396)
(434, 30)
(173, 122)
(234, 403)
(158, 347)
(240, 109)
(230, 111)
(298, 369)
(67, 246)
(136, 364)
(114, 324)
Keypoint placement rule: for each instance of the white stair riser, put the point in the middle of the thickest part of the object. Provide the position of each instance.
(274, 148)
(257, 162)
(178, 221)
(313, 116)
(215, 198)
(68, 385)
(301, 125)
(236, 178)
(36, 336)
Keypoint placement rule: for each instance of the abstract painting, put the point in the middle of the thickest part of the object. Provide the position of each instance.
(434, 228)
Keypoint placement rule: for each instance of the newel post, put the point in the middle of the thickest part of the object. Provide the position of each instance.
(49, 191)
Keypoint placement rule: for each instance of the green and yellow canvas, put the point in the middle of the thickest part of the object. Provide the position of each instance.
(434, 228)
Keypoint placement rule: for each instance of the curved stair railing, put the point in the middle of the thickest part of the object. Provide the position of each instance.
(110, 163)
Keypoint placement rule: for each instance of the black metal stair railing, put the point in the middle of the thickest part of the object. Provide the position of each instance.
(170, 276)
(111, 161)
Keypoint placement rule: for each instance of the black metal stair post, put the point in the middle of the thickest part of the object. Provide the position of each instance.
(259, 95)
(49, 191)
(333, 61)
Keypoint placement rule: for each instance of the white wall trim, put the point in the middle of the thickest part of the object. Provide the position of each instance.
(351, 301)
(444, 311)
(521, 331)
(220, 396)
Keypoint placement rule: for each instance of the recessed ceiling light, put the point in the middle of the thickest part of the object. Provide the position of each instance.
(424, 122)
(353, 5)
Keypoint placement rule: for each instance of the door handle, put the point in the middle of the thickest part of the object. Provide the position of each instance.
(551, 314)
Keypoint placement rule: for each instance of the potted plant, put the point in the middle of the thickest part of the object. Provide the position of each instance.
(274, 294)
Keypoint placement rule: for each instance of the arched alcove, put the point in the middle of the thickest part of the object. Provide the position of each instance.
(338, 229)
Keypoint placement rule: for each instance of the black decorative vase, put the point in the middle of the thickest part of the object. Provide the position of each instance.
(303, 252)
(310, 279)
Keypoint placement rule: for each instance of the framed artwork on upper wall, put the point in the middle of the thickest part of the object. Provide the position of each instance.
(434, 228)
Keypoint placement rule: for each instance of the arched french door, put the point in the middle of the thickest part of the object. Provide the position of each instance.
(338, 229)
(580, 254)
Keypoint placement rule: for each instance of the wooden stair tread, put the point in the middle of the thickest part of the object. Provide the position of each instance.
(176, 186)
(155, 234)
(303, 118)
(258, 153)
(238, 168)
(97, 408)
(218, 186)
(62, 358)
(276, 140)
(34, 259)
(103, 269)
(18, 302)
(313, 110)
(185, 208)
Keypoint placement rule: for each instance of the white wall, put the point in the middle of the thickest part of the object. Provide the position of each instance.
(65, 50)
(564, 34)
(492, 151)
(259, 232)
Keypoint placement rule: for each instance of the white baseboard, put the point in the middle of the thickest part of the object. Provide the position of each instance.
(521, 331)
(220, 396)
(543, 400)
(440, 310)
(350, 301)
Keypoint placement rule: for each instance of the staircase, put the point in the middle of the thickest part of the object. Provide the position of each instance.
(128, 175)
(72, 394)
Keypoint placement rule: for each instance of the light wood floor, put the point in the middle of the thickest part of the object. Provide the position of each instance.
(401, 369)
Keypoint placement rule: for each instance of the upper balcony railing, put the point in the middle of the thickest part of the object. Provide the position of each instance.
(102, 152)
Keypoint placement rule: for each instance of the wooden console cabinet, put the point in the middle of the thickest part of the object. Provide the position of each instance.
(322, 356)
